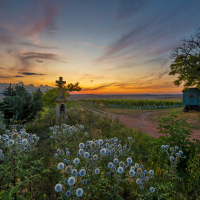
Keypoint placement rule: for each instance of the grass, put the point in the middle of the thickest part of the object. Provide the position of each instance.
(142, 152)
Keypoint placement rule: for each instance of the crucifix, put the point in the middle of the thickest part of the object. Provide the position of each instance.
(60, 82)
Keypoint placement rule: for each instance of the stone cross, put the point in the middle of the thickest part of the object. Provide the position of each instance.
(60, 82)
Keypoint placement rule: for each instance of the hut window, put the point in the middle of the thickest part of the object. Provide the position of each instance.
(192, 95)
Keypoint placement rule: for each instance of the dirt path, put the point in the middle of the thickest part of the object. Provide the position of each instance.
(140, 121)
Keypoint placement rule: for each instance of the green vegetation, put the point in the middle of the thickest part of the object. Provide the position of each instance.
(34, 173)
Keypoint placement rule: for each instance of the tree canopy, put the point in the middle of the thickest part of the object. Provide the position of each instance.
(187, 61)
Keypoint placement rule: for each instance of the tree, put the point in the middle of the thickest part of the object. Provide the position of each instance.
(51, 95)
(21, 105)
(187, 61)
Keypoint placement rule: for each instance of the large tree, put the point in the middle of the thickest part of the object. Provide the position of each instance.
(51, 95)
(21, 105)
(187, 61)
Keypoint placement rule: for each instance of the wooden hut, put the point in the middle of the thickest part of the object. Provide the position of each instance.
(191, 99)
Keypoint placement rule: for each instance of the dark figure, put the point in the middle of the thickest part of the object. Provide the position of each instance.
(62, 109)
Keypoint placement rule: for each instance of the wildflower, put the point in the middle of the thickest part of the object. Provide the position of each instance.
(96, 171)
(66, 149)
(152, 189)
(129, 160)
(37, 138)
(110, 165)
(115, 161)
(131, 172)
(82, 172)
(14, 136)
(142, 188)
(71, 180)
(58, 187)
(171, 158)
(184, 157)
(180, 152)
(120, 170)
(79, 192)
(176, 148)
(84, 182)
(141, 166)
(68, 162)
(61, 166)
(24, 141)
(139, 170)
(68, 193)
(76, 161)
(11, 142)
(68, 169)
(103, 151)
(100, 141)
(81, 151)
(93, 145)
(81, 145)
(1, 151)
(74, 172)
(55, 155)
(86, 155)
(1, 156)
(95, 157)
(177, 154)
(172, 149)
(138, 181)
(132, 168)
(121, 164)
(67, 153)
(90, 161)
(151, 172)
(146, 178)
(136, 165)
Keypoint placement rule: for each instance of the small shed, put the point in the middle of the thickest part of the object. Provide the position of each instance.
(191, 99)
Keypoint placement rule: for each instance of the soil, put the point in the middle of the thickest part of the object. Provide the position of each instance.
(133, 119)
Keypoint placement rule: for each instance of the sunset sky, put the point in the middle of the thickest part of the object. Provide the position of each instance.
(108, 46)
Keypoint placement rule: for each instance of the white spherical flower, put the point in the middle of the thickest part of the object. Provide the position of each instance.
(71, 180)
(176, 148)
(11, 142)
(110, 165)
(129, 160)
(132, 168)
(81, 145)
(180, 152)
(86, 155)
(96, 171)
(67, 153)
(103, 151)
(100, 141)
(95, 157)
(61, 166)
(82, 172)
(136, 165)
(24, 141)
(76, 161)
(152, 189)
(151, 172)
(120, 170)
(74, 172)
(138, 181)
(131, 172)
(171, 158)
(81, 151)
(115, 160)
(79, 192)
(58, 187)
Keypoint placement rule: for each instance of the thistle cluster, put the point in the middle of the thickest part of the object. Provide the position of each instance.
(67, 130)
(73, 111)
(2, 126)
(1, 152)
(174, 154)
(21, 140)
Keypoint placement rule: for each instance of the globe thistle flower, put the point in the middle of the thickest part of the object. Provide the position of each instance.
(24, 141)
(37, 138)
(81, 145)
(139, 170)
(1, 156)
(138, 181)
(15, 136)
(96, 171)
(176, 154)
(132, 168)
(84, 182)
(107, 173)
(11, 142)
(71, 181)
(152, 177)
(82, 172)
(86, 155)
(110, 165)
(55, 155)
(180, 152)
(115, 156)
(76, 161)
(79, 192)
(66, 149)
(163, 146)
(167, 146)
(121, 164)
(151, 172)
(67, 153)
(120, 170)
(152, 189)
(78, 175)
(100, 141)
(184, 157)
(145, 171)
(95, 157)
(142, 187)
(68, 162)
(61, 166)
(81, 151)
(34, 136)
(93, 145)
(176, 148)
(58, 187)
(129, 160)
(171, 158)
(136, 165)
(171, 149)
(141, 166)
(146, 178)
(103, 151)
(1, 151)
(115, 161)
(74, 172)
(131, 172)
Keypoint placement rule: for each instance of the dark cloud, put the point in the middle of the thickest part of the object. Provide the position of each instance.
(30, 74)
(37, 45)
(5, 39)
(2, 68)
(18, 76)
(39, 61)
(5, 76)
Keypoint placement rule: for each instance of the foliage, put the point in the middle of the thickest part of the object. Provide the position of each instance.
(187, 61)
(21, 105)
(51, 95)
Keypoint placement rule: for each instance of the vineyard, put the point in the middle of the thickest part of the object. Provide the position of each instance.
(134, 103)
